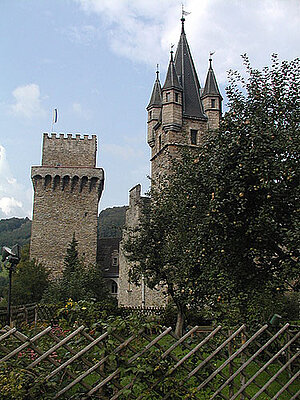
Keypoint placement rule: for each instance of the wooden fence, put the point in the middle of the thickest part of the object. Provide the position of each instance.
(206, 363)
(34, 312)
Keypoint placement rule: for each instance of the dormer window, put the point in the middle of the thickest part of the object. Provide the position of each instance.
(168, 96)
(213, 103)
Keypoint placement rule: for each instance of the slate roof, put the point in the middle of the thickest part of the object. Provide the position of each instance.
(171, 81)
(188, 79)
(211, 86)
(156, 98)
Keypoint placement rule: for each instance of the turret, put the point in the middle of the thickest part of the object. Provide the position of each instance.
(212, 99)
(172, 100)
(154, 110)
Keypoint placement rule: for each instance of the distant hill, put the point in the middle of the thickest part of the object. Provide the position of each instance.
(13, 231)
(111, 222)
(18, 230)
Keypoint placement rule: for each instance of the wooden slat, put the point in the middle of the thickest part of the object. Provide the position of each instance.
(26, 344)
(57, 346)
(242, 367)
(77, 355)
(234, 355)
(98, 364)
(274, 377)
(5, 335)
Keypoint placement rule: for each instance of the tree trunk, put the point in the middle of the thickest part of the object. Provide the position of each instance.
(180, 321)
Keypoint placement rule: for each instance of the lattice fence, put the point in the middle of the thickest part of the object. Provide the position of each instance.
(204, 364)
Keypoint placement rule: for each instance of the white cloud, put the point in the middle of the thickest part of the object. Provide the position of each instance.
(143, 30)
(80, 111)
(28, 102)
(124, 152)
(8, 205)
(85, 34)
(15, 201)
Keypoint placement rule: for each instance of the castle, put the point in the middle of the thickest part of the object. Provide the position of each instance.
(68, 186)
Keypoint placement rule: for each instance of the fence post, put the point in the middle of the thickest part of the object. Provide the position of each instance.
(288, 354)
(230, 366)
(26, 314)
(35, 314)
(243, 380)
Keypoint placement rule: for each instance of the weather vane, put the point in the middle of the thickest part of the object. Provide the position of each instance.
(184, 13)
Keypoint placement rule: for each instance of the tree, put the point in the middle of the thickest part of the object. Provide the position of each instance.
(78, 282)
(223, 231)
(29, 281)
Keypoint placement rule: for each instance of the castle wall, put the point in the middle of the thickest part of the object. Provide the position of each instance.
(130, 294)
(65, 202)
(69, 150)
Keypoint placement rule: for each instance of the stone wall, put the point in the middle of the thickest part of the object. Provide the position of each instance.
(69, 150)
(130, 294)
(65, 202)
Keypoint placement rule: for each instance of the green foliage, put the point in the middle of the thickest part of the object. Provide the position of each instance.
(14, 230)
(21, 384)
(78, 282)
(222, 233)
(29, 281)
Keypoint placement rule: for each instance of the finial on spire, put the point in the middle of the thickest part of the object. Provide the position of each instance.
(157, 71)
(183, 14)
(211, 53)
(172, 45)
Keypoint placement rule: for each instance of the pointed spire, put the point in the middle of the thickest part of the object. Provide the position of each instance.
(171, 81)
(184, 65)
(156, 99)
(211, 85)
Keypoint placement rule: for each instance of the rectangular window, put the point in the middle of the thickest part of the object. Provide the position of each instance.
(159, 142)
(168, 96)
(115, 261)
(193, 136)
(213, 103)
(177, 97)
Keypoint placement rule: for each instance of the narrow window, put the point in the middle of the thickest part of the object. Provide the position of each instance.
(114, 287)
(168, 96)
(193, 136)
(159, 142)
(150, 115)
(177, 97)
(213, 103)
(115, 261)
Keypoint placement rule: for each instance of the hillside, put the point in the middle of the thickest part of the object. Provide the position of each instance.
(14, 230)
(111, 222)
(18, 230)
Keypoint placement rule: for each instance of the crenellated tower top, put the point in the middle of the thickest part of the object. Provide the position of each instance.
(69, 150)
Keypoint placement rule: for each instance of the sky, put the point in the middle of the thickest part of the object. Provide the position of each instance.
(95, 61)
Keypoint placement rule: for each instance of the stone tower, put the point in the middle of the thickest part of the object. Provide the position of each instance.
(67, 189)
(179, 113)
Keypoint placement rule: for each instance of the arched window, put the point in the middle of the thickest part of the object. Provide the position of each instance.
(114, 287)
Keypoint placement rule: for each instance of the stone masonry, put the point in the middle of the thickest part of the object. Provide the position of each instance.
(130, 294)
(67, 189)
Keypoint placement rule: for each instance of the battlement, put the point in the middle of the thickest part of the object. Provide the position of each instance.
(68, 136)
(69, 149)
